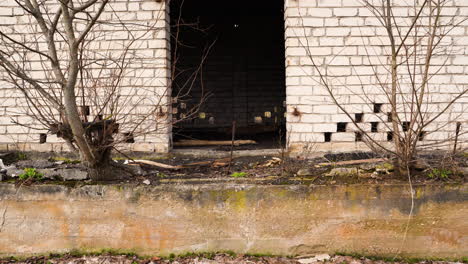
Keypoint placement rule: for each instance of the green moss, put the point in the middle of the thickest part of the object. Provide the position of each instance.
(385, 166)
(237, 199)
(238, 175)
(100, 252)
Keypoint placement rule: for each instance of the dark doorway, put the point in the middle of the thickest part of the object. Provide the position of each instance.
(243, 75)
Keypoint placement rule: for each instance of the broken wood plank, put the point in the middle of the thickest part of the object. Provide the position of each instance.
(218, 162)
(352, 162)
(190, 143)
(160, 165)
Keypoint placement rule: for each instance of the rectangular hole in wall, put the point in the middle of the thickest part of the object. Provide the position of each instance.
(377, 108)
(129, 138)
(390, 136)
(389, 117)
(405, 126)
(358, 117)
(243, 73)
(327, 136)
(358, 136)
(341, 127)
(42, 138)
(85, 110)
(374, 127)
(421, 135)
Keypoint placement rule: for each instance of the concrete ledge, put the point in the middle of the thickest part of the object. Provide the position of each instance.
(286, 219)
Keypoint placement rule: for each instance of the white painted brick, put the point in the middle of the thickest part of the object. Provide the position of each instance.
(345, 12)
(325, 109)
(331, 32)
(320, 12)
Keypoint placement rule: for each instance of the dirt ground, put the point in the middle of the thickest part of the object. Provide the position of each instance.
(279, 170)
(296, 170)
(214, 259)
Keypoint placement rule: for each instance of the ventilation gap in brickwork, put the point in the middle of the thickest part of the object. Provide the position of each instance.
(327, 136)
(42, 138)
(129, 138)
(374, 127)
(85, 110)
(389, 136)
(358, 136)
(341, 127)
(377, 108)
(358, 117)
(421, 135)
(405, 126)
(389, 117)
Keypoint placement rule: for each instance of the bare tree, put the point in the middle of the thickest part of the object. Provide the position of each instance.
(403, 74)
(81, 70)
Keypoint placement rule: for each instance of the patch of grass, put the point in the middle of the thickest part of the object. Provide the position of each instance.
(31, 173)
(207, 255)
(102, 252)
(403, 259)
(238, 174)
(261, 255)
(21, 156)
(161, 175)
(440, 174)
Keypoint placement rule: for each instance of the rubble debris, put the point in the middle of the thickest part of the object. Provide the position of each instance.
(73, 174)
(270, 163)
(343, 172)
(193, 143)
(351, 162)
(147, 182)
(217, 163)
(49, 173)
(13, 172)
(160, 165)
(317, 258)
(304, 172)
(38, 164)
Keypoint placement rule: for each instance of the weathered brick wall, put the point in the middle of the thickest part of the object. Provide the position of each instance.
(345, 38)
(144, 85)
(339, 34)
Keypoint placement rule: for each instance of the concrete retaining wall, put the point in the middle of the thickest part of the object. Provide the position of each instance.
(297, 219)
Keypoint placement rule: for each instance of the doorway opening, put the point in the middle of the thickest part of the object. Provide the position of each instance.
(228, 66)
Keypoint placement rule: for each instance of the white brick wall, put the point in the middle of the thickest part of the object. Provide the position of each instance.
(145, 82)
(345, 38)
(341, 35)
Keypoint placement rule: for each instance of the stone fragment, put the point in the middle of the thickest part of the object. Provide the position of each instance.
(136, 169)
(3, 170)
(317, 258)
(147, 182)
(37, 164)
(13, 172)
(49, 173)
(73, 174)
(304, 172)
(343, 172)
(464, 170)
